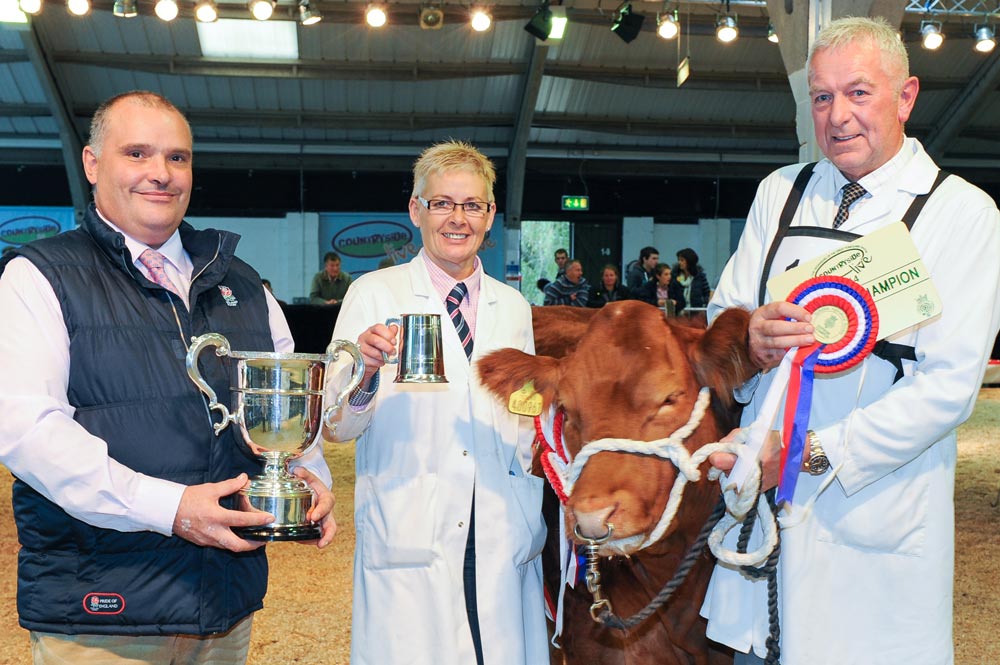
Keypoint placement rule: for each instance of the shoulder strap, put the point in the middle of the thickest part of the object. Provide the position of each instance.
(785, 221)
(918, 203)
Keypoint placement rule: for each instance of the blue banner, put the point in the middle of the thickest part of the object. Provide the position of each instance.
(21, 225)
(363, 240)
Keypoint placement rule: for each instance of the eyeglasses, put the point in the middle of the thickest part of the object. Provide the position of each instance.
(444, 206)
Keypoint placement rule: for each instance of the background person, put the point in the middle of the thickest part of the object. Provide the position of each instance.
(865, 575)
(122, 495)
(641, 271)
(691, 276)
(662, 289)
(329, 286)
(571, 289)
(561, 257)
(447, 568)
(609, 290)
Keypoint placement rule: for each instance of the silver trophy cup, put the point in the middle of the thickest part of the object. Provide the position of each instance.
(278, 406)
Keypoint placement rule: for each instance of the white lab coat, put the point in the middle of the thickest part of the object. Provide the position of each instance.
(866, 577)
(421, 449)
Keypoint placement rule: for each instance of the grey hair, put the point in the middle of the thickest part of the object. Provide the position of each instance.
(99, 123)
(877, 31)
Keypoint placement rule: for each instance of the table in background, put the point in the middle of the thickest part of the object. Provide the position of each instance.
(311, 325)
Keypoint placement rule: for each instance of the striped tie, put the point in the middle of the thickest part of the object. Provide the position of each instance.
(461, 327)
(852, 192)
(153, 261)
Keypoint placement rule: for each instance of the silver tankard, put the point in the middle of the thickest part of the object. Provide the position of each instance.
(420, 355)
(278, 405)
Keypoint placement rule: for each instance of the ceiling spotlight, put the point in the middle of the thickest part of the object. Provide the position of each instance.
(726, 29)
(78, 7)
(261, 9)
(985, 39)
(308, 15)
(206, 11)
(540, 25)
(666, 25)
(772, 35)
(30, 6)
(431, 18)
(166, 9)
(124, 9)
(931, 35)
(481, 20)
(375, 16)
(559, 22)
(627, 24)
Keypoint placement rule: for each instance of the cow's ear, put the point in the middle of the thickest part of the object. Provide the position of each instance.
(721, 359)
(507, 370)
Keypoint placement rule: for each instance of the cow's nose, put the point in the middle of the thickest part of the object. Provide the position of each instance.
(594, 523)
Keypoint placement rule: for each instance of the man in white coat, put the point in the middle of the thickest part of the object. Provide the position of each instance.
(865, 576)
(449, 528)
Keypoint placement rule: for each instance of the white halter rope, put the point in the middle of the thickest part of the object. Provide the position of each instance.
(672, 448)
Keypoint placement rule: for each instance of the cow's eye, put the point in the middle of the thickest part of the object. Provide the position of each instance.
(670, 399)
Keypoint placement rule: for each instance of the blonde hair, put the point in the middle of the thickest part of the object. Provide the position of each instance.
(99, 123)
(878, 32)
(452, 156)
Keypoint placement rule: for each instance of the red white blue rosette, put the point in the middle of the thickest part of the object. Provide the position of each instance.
(845, 324)
(844, 318)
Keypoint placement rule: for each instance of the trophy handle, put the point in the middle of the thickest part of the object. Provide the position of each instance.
(333, 350)
(394, 358)
(222, 349)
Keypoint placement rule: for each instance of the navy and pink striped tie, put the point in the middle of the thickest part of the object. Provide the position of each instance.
(452, 303)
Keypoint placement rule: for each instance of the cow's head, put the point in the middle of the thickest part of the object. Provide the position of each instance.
(629, 374)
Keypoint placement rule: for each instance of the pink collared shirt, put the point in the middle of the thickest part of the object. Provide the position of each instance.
(444, 283)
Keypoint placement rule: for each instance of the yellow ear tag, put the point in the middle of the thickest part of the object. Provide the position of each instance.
(525, 402)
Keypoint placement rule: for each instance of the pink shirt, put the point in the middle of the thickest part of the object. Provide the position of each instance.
(444, 283)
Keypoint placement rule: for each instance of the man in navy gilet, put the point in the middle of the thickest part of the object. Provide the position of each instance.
(123, 493)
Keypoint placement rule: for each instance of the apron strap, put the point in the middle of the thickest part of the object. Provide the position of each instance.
(784, 222)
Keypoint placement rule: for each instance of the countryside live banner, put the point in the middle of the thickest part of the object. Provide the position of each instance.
(21, 225)
(363, 240)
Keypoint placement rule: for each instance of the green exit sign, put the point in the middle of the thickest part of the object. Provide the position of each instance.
(576, 203)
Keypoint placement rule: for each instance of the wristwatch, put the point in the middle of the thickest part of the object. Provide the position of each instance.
(818, 462)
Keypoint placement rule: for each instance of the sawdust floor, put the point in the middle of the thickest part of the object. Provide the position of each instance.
(307, 613)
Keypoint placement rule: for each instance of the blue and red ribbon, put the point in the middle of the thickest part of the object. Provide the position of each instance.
(835, 356)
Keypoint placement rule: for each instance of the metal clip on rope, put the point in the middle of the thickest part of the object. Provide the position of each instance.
(593, 575)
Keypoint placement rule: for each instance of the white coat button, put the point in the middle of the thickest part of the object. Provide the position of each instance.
(465, 453)
(461, 524)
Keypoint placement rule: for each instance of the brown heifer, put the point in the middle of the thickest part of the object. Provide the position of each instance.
(632, 374)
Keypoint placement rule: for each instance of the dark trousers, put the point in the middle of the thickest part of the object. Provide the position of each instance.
(469, 580)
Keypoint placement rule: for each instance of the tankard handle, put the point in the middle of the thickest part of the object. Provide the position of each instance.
(222, 349)
(394, 358)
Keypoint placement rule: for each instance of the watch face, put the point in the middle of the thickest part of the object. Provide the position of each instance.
(818, 464)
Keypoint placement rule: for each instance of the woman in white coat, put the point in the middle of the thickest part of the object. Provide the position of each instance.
(432, 461)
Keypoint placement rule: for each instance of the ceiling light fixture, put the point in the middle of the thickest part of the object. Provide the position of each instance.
(308, 15)
(375, 16)
(30, 6)
(985, 39)
(772, 35)
(540, 25)
(666, 25)
(431, 18)
(206, 11)
(167, 10)
(78, 7)
(559, 23)
(261, 9)
(931, 35)
(124, 9)
(627, 24)
(481, 20)
(726, 29)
